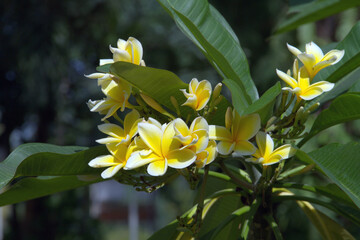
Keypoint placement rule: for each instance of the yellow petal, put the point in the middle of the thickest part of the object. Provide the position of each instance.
(151, 135)
(265, 144)
(207, 156)
(309, 62)
(325, 86)
(285, 151)
(334, 56)
(311, 93)
(102, 161)
(193, 85)
(304, 83)
(137, 50)
(199, 123)
(157, 168)
(203, 99)
(202, 140)
(168, 142)
(181, 129)
(312, 48)
(130, 122)
(287, 79)
(248, 127)
(225, 148)
(137, 160)
(180, 158)
(243, 148)
(293, 49)
(254, 160)
(120, 55)
(116, 132)
(111, 171)
(105, 61)
(219, 133)
(275, 158)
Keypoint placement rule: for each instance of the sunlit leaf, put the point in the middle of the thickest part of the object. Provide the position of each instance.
(210, 32)
(342, 109)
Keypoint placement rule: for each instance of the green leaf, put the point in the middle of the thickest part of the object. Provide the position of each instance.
(161, 85)
(238, 99)
(104, 68)
(342, 109)
(328, 228)
(40, 159)
(30, 188)
(211, 33)
(313, 11)
(265, 104)
(341, 162)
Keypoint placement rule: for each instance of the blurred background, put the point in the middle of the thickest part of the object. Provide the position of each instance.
(46, 47)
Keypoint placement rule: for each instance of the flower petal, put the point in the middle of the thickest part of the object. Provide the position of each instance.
(312, 48)
(248, 127)
(324, 85)
(157, 168)
(180, 158)
(151, 135)
(130, 122)
(274, 159)
(287, 79)
(137, 160)
(219, 133)
(285, 151)
(105, 61)
(111, 171)
(311, 93)
(225, 148)
(112, 130)
(309, 62)
(265, 144)
(168, 142)
(102, 161)
(137, 50)
(193, 85)
(293, 49)
(334, 56)
(199, 123)
(243, 148)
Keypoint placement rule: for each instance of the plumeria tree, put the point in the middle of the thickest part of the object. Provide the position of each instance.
(157, 128)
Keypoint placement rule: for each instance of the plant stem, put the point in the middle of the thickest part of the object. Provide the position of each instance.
(245, 185)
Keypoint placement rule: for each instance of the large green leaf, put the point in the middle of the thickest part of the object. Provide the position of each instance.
(342, 109)
(161, 85)
(40, 159)
(265, 104)
(341, 162)
(313, 11)
(328, 228)
(30, 188)
(211, 33)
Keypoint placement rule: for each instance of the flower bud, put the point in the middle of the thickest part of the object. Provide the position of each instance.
(217, 90)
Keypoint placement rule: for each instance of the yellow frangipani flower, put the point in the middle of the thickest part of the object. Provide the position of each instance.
(115, 161)
(199, 94)
(165, 150)
(207, 156)
(314, 59)
(117, 94)
(266, 155)
(234, 137)
(119, 135)
(126, 51)
(196, 137)
(301, 85)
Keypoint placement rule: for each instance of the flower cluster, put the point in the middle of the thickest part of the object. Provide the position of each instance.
(162, 140)
(313, 60)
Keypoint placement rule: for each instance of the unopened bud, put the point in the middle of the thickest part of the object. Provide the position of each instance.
(218, 100)
(175, 104)
(217, 90)
(313, 107)
(155, 105)
(299, 116)
(228, 118)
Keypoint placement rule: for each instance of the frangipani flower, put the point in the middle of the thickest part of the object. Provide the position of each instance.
(117, 94)
(196, 138)
(115, 161)
(314, 59)
(236, 133)
(199, 94)
(119, 135)
(165, 150)
(126, 51)
(302, 88)
(266, 155)
(207, 156)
